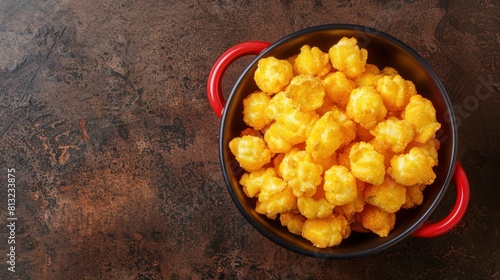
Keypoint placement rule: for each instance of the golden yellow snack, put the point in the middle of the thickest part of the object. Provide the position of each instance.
(294, 222)
(395, 91)
(306, 92)
(363, 134)
(312, 61)
(325, 137)
(263, 131)
(312, 208)
(270, 187)
(376, 220)
(254, 110)
(389, 71)
(276, 163)
(320, 192)
(414, 196)
(275, 138)
(252, 182)
(334, 144)
(328, 104)
(414, 167)
(367, 164)
(388, 196)
(251, 152)
(347, 126)
(326, 232)
(301, 146)
(369, 77)
(278, 103)
(296, 124)
(393, 134)
(343, 156)
(292, 126)
(250, 131)
(339, 185)
(280, 202)
(272, 74)
(421, 113)
(350, 209)
(300, 172)
(366, 107)
(291, 60)
(347, 57)
(383, 150)
(327, 162)
(338, 88)
(358, 227)
(431, 147)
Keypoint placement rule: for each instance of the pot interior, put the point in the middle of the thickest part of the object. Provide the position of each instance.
(383, 50)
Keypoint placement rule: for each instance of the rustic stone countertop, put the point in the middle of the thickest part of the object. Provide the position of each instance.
(105, 120)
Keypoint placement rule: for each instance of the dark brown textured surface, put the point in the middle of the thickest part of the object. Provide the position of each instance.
(104, 117)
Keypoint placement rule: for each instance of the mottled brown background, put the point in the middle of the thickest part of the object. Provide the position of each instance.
(104, 116)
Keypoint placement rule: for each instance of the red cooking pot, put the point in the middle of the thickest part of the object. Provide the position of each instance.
(383, 50)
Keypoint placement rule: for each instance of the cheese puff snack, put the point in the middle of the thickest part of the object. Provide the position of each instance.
(422, 115)
(338, 88)
(369, 77)
(358, 227)
(278, 103)
(363, 134)
(326, 232)
(270, 187)
(347, 126)
(328, 104)
(335, 144)
(250, 131)
(383, 150)
(320, 192)
(300, 172)
(389, 71)
(431, 147)
(388, 196)
(294, 222)
(306, 92)
(376, 220)
(325, 137)
(367, 164)
(277, 161)
(291, 60)
(395, 91)
(366, 107)
(312, 61)
(252, 182)
(350, 209)
(273, 74)
(328, 162)
(275, 138)
(412, 168)
(297, 124)
(277, 203)
(251, 152)
(343, 156)
(393, 133)
(414, 196)
(312, 208)
(347, 57)
(340, 185)
(254, 110)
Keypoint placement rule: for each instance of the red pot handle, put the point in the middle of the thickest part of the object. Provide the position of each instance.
(214, 89)
(429, 230)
